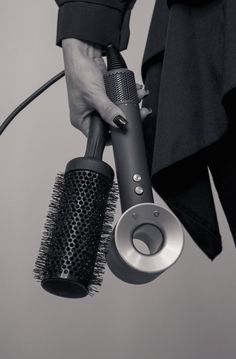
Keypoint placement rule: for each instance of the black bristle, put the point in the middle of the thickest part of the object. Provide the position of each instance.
(78, 229)
(106, 236)
(51, 222)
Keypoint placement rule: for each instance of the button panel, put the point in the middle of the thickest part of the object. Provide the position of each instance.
(139, 190)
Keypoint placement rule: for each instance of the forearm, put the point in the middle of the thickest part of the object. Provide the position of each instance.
(73, 46)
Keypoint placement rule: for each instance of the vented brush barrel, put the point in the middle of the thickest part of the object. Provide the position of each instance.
(79, 224)
(72, 254)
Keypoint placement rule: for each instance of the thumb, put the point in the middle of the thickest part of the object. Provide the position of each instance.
(111, 113)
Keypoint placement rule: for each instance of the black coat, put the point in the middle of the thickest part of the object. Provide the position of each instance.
(189, 65)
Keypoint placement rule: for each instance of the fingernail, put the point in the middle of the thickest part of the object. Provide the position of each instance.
(120, 121)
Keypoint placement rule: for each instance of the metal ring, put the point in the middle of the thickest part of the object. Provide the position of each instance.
(128, 262)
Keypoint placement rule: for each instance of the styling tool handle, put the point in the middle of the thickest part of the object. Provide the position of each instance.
(128, 145)
(97, 138)
(142, 220)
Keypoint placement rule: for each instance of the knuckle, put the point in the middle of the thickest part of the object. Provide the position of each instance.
(107, 109)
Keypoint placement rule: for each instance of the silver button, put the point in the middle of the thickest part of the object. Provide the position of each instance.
(137, 177)
(139, 190)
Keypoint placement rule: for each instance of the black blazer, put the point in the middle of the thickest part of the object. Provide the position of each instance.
(108, 21)
(189, 66)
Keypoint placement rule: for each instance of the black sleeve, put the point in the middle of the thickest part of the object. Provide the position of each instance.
(186, 2)
(102, 22)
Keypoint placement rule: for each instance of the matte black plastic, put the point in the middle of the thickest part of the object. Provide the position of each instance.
(129, 147)
(98, 134)
(114, 58)
(121, 86)
(64, 287)
(91, 164)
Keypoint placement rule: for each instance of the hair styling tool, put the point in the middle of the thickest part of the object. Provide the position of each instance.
(155, 226)
(72, 255)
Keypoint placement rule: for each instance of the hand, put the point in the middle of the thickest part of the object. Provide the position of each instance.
(84, 70)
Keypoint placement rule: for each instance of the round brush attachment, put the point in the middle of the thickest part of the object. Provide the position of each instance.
(72, 256)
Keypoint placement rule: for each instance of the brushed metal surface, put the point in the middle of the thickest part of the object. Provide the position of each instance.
(127, 262)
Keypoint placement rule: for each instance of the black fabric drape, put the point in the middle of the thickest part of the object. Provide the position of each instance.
(193, 99)
(187, 2)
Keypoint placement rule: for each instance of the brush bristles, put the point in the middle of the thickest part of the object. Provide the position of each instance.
(106, 236)
(78, 229)
(41, 262)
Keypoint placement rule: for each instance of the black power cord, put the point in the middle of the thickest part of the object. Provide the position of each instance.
(29, 99)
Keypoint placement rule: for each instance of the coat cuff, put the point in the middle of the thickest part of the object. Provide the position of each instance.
(94, 23)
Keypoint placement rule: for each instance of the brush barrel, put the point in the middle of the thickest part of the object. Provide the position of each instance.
(76, 229)
(154, 226)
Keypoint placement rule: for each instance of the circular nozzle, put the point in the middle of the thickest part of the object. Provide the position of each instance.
(161, 233)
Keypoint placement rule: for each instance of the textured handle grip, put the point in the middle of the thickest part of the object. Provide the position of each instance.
(98, 133)
(129, 147)
(121, 87)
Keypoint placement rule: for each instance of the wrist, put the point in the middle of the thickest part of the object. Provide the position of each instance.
(84, 47)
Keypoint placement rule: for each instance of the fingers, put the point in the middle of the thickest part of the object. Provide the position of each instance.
(85, 123)
(144, 112)
(111, 113)
(141, 92)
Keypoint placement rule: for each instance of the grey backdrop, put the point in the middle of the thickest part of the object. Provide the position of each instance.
(188, 312)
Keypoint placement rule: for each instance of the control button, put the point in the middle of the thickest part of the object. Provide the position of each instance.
(137, 177)
(139, 190)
